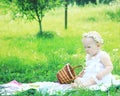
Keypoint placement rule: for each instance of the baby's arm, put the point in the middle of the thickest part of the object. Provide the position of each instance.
(105, 60)
(81, 73)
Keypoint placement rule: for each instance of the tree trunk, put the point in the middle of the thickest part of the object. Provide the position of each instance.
(66, 7)
(40, 27)
(39, 18)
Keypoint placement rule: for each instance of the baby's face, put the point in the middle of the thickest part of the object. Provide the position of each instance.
(91, 47)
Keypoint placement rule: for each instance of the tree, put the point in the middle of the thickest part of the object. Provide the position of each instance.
(36, 9)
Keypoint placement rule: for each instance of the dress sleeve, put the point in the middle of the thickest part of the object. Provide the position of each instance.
(87, 56)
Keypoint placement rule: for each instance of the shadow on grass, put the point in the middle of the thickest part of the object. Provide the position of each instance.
(46, 34)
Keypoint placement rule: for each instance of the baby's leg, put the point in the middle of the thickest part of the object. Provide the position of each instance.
(77, 83)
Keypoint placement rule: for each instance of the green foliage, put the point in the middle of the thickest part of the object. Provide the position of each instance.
(105, 1)
(30, 92)
(84, 2)
(113, 91)
(30, 7)
(76, 92)
(85, 92)
(114, 14)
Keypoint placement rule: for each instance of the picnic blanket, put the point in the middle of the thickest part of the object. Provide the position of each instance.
(51, 88)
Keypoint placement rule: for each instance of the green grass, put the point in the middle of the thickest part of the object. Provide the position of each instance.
(26, 58)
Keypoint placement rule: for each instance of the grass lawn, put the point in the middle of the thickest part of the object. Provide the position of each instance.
(26, 58)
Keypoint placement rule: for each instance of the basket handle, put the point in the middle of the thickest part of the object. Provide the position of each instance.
(77, 66)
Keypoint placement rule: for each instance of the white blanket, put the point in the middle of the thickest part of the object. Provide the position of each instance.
(45, 87)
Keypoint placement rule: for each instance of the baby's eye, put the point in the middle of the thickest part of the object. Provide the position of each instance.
(89, 47)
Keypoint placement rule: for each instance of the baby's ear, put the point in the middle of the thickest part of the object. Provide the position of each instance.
(98, 45)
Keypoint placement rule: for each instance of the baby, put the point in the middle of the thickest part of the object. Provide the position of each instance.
(98, 64)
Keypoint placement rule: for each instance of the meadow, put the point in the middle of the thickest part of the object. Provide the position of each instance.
(27, 58)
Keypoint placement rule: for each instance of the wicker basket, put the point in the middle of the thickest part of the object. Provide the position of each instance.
(67, 75)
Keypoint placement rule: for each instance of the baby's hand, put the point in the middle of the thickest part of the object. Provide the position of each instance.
(74, 85)
(78, 82)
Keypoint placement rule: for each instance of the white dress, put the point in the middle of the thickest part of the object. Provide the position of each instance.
(94, 66)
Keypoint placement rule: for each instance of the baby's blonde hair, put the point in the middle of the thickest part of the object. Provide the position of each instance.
(95, 35)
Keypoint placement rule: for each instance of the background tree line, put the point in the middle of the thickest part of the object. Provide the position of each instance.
(78, 2)
(83, 2)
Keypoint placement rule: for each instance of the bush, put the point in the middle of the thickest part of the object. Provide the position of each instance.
(114, 14)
